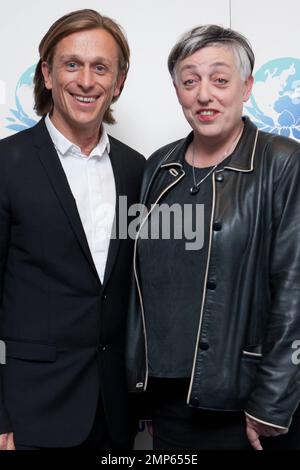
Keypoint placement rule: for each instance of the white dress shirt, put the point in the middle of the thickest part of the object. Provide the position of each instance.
(92, 183)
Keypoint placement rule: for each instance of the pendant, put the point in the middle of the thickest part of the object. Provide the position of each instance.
(194, 190)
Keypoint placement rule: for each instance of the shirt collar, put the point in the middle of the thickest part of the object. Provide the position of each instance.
(63, 145)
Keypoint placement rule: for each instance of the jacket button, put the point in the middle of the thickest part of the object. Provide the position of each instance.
(211, 285)
(104, 296)
(102, 347)
(219, 177)
(194, 401)
(217, 226)
(203, 345)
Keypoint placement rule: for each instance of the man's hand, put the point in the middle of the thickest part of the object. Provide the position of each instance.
(7, 441)
(256, 429)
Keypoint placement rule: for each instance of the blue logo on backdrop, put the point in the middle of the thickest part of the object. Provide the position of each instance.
(23, 115)
(274, 105)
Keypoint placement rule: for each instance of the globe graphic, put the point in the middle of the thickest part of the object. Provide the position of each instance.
(23, 116)
(274, 105)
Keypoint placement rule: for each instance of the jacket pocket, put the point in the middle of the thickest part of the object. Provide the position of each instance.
(249, 364)
(30, 351)
(253, 351)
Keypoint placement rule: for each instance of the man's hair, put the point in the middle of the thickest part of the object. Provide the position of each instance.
(80, 20)
(213, 35)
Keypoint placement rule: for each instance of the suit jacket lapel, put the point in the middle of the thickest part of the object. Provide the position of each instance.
(50, 161)
(116, 162)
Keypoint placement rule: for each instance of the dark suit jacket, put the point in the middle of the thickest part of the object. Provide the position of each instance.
(63, 329)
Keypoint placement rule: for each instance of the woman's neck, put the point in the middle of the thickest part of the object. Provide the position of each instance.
(202, 153)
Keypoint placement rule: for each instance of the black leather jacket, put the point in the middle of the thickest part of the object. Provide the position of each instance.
(249, 324)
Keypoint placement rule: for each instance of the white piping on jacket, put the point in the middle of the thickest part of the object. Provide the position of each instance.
(208, 260)
(135, 270)
(204, 287)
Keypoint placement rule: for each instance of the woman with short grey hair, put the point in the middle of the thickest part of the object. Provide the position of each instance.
(213, 325)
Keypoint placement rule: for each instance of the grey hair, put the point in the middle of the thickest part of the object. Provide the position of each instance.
(213, 35)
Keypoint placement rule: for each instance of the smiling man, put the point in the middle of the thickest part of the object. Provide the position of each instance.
(63, 276)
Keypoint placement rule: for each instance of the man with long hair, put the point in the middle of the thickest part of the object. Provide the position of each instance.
(63, 276)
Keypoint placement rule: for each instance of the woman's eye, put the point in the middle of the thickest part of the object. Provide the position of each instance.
(222, 81)
(188, 82)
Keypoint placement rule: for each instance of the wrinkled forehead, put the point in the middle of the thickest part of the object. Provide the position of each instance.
(212, 56)
(87, 43)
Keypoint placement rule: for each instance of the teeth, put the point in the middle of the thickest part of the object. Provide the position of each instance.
(206, 113)
(85, 99)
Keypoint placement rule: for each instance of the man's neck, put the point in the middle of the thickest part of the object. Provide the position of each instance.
(85, 139)
(87, 143)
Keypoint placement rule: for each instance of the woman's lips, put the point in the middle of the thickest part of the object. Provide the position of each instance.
(207, 115)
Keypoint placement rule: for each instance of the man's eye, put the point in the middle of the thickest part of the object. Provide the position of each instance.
(100, 68)
(71, 65)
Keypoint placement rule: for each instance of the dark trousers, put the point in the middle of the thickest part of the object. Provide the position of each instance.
(176, 426)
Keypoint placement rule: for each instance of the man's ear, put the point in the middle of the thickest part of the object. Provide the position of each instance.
(47, 75)
(119, 83)
(248, 85)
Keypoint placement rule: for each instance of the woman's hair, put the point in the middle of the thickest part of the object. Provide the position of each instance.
(213, 35)
(80, 20)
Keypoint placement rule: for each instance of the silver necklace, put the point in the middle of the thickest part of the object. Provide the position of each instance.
(195, 188)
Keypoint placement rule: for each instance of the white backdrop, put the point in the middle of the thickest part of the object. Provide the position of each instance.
(147, 112)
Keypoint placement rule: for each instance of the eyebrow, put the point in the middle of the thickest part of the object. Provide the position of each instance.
(220, 64)
(76, 58)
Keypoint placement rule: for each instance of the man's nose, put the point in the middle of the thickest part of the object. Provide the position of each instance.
(85, 78)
